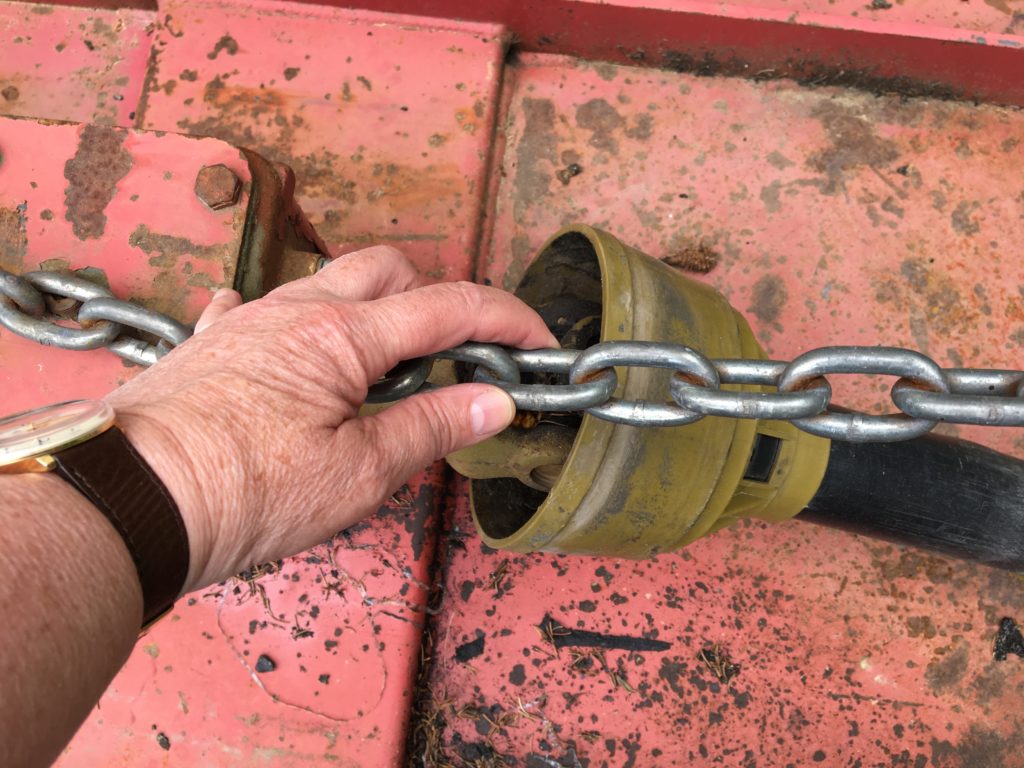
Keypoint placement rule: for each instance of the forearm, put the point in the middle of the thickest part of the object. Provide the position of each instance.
(71, 607)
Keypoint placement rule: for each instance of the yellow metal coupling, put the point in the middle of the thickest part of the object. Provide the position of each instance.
(595, 487)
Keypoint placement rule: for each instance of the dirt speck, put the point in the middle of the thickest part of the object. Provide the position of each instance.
(227, 44)
(935, 297)
(518, 675)
(10, 93)
(602, 120)
(921, 626)
(13, 238)
(853, 144)
(100, 162)
(472, 649)
(696, 257)
(535, 154)
(770, 197)
(1008, 640)
(767, 299)
(945, 672)
(961, 221)
(642, 127)
(568, 173)
(290, 73)
(778, 160)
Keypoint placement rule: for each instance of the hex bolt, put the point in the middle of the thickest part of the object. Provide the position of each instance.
(218, 186)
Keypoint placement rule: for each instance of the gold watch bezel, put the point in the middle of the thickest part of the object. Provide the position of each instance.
(61, 425)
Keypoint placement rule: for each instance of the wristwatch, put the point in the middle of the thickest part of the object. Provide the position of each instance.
(79, 442)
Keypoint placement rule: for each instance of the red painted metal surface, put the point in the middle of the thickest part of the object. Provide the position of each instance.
(924, 49)
(119, 202)
(72, 63)
(827, 217)
(833, 216)
(386, 151)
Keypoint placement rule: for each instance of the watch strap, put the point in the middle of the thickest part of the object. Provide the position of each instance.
(111, 474)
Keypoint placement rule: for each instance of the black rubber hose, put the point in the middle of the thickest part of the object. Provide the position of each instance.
(937, 493)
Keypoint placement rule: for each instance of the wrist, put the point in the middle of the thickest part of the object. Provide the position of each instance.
(171, 461)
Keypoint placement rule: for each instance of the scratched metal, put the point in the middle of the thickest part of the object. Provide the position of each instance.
(387, 122)
(827, 216)
(78, 64)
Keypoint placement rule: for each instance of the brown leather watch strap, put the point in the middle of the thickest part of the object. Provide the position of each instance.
(111, 474)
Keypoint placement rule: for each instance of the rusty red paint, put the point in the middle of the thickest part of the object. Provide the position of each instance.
(218, 187)
(78, 64)
(98, 164)
(131, 197)
(195, 675)
(831, 217)
(382, 153)
(932, 50)
(827, 215)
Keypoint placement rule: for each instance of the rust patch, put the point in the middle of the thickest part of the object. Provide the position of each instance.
(768, 297)
(227, 44)
(602, 120)
(921, 626)
(643, 125)
(165, 250)
(961, 221)
(946, 672)
(408, 187)
(940, 298)
(980, 746)
(694, 257)
(535, 154)
(853, 144)
(13, 238)
(253, 102)
(100, 162)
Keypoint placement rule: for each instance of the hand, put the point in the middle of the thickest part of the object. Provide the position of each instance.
(253, 423)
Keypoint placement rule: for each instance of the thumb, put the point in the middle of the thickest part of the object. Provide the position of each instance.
(423, 428)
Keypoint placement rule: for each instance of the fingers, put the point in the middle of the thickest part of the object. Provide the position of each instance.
(415, 432)
(363, 275)
(437, 317)
(223, 301)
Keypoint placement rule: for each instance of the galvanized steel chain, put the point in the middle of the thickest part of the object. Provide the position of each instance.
(797, 391)
(102, 319)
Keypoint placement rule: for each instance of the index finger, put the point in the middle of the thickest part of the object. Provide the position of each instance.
(437, 317)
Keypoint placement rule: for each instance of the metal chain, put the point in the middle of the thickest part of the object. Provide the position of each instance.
(102, 319)
(798, 391)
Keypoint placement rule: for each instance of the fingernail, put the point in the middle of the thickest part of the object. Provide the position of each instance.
(221, 293)
(491, 412)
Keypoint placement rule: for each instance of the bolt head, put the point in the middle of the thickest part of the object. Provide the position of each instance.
(218, 187)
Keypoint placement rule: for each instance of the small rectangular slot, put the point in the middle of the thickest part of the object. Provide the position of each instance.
(762, 458)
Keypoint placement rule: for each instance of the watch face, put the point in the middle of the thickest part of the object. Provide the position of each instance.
(46, 430)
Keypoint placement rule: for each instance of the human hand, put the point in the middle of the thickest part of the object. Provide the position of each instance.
(253, 423)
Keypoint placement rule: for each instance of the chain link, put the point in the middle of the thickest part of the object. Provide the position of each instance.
(102, 319)
(585, 381)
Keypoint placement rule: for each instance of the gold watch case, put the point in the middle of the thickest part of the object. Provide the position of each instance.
(28, 440)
